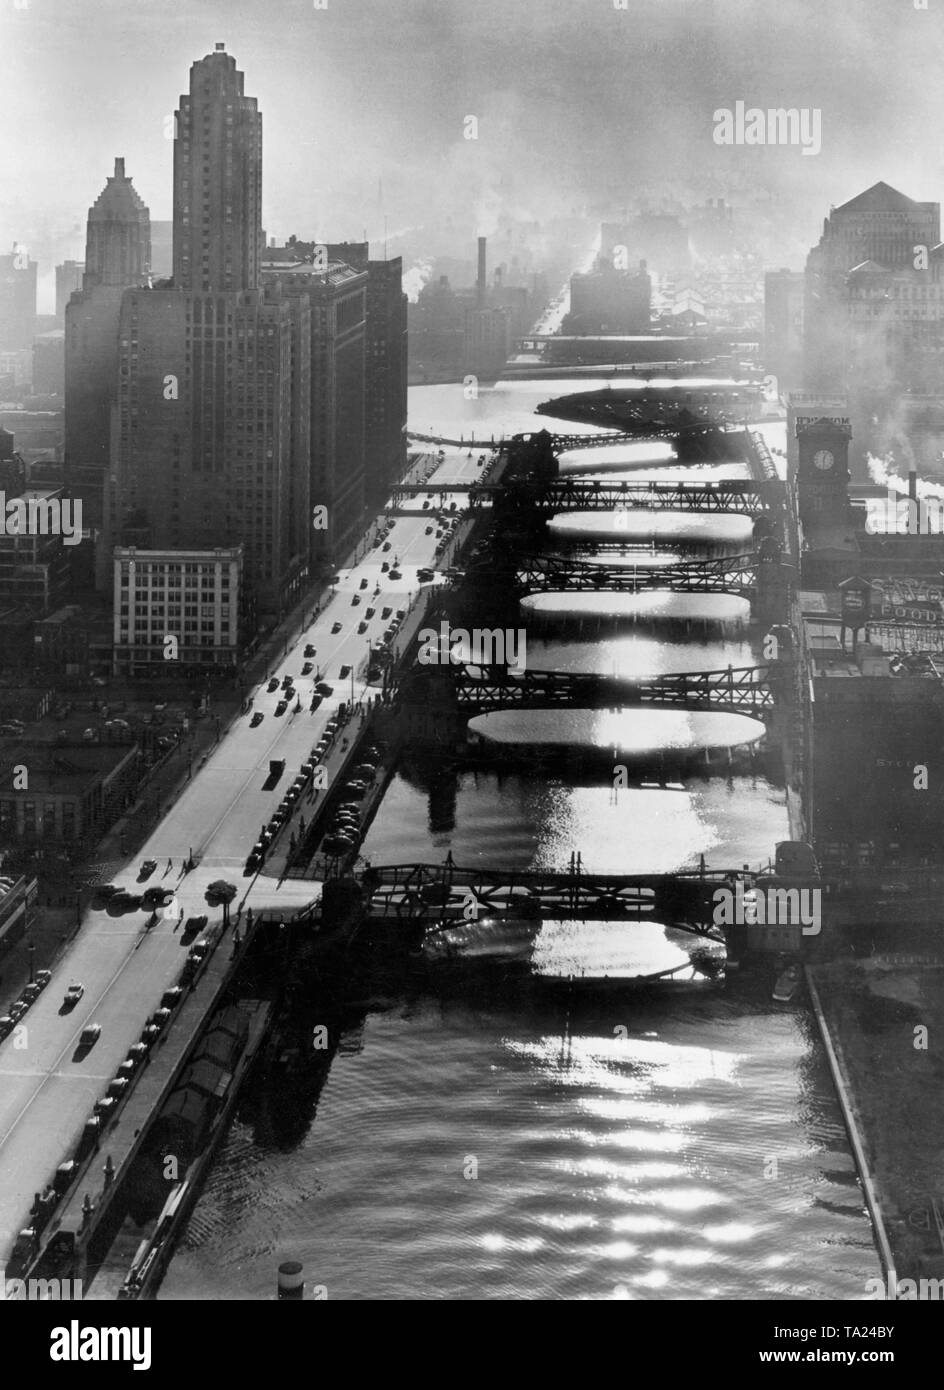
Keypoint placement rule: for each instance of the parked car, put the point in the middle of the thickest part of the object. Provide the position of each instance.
(385, 613)
(273, 684)
(256, 719)
(385, 546)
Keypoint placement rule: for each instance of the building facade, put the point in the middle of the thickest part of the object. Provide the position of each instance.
(189, 597)
(17, 300)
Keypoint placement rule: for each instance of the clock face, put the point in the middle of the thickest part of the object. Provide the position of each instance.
(823, 459)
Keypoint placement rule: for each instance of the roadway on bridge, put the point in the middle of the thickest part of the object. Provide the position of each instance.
(46, 1092)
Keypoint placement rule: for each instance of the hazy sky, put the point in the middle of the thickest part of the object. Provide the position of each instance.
(577, 102)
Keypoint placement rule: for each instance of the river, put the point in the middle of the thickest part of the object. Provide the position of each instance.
(479, 1138)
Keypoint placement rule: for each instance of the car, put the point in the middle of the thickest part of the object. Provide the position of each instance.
(385, 546)
(425, 575)
(344, 672)
(307, 669)
(361, 628)
(281, 707)
(149, 866)
(384, 567)
(364, 583)
(106, 890)
(43, 977)
(7, 1024)
(32, 992)
(287, 682)
(156, 896)
(374, 673)
(401, 614)
(429, 530)
(73, 994)
(395, 574)
(171, 997)
(355, 600)
(385, 613)
(273, 684)
(323, 688)
(309, 650)
(336, 628)
(369, 612)
(90, 1035)
(315, 702)
(256, 720)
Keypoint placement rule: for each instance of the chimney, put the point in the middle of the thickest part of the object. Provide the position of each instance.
(119, 168)
(480, 282)
(913, 484)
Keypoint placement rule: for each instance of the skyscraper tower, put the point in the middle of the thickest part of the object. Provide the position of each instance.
(217, 181)
(118, 235)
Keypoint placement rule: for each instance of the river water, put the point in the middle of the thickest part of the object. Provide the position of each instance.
(477, 1136)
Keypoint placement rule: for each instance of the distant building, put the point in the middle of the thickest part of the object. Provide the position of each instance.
(68, 280)
(162, 250)
(191, 597)
(487, 340)
(117, 253)
(784, 292)
(49, 351)
(385, 369)
(880, 226)
(34, 567)
(17, 299)
(607, 300)
(335, 299)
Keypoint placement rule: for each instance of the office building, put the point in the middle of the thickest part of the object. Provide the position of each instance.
(117, 254)
(189, 596)
(17, 300)
(68, 280)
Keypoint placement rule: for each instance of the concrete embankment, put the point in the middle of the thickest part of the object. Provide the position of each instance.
(880, 1018)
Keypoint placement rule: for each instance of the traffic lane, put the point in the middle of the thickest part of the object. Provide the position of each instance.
(48, 1092)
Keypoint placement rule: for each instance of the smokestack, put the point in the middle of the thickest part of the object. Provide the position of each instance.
(480, 282)
(119, 168)
(913, 484)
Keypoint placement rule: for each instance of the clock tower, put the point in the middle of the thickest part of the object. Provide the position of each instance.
(822, 472)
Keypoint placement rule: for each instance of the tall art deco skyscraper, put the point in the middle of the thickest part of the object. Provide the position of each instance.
(210, 437)
(217, 181)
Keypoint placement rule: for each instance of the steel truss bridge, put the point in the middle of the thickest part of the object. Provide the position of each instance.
(570, 495)
(734, 574)
(748, 690)
(440, 896)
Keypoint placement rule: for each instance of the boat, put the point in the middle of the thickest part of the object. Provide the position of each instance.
(788, 982)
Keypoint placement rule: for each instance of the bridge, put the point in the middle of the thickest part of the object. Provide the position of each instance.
(738, 495)
(443, 896)
(483, 689)
(734, 574)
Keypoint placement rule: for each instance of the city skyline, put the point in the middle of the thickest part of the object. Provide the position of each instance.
(353, 139)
